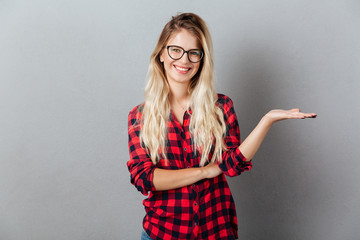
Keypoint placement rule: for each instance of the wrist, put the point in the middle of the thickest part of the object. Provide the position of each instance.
(267, 120)
(203, 172)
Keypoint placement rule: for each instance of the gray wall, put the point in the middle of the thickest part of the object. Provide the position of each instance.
(70, 71)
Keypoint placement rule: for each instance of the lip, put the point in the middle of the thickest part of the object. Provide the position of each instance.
(181, 69)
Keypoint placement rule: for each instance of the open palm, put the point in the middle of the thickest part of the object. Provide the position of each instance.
(280, 114)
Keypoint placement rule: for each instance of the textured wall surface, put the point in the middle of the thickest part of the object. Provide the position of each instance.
(70, 71)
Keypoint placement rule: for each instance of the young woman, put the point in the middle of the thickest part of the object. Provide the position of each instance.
(185, 138)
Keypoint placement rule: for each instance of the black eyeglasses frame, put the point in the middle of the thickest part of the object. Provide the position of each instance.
(187, 52)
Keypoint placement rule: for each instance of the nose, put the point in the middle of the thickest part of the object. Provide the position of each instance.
(184, 58)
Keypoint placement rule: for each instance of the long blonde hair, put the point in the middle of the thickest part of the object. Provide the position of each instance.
(207, 126)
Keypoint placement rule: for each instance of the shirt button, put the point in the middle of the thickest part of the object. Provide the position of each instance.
(195, 224)
(188, 167)
(193, 185)
(195, 204)
(184, 149)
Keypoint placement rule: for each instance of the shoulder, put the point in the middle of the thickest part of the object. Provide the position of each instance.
(135, 114)
(224, 102)
(137, 109)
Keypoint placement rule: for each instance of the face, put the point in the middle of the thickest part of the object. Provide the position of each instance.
(181, 70)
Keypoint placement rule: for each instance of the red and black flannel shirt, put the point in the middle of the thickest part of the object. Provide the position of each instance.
(203, 210)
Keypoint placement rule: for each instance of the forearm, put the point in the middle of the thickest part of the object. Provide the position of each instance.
(252, 143)
(171, 179)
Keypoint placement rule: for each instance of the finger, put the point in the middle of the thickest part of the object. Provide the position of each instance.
(295, 110)
(293, 113)
(309, 115)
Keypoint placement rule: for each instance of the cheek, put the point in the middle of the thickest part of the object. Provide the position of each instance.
(167, 65)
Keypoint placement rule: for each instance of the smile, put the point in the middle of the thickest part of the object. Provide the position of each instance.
(182, 69)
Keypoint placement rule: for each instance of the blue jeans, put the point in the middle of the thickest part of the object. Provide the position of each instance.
(145, 236)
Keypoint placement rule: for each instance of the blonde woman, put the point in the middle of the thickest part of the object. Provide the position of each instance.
(185, 138)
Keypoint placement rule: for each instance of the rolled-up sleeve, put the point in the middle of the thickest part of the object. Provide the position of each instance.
(140, 165)
(233, 161)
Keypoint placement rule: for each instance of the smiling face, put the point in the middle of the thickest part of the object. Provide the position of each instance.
(181, 70)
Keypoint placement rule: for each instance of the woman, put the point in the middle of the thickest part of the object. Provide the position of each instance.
(185, 138)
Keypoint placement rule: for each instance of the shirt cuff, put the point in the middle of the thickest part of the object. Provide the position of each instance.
(148, 182)
(234, 163)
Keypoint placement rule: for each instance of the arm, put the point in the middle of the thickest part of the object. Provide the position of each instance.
(140, 165)
(171, 179)
(146, 177)
(237, 158)
(233, 162)
(252, 143)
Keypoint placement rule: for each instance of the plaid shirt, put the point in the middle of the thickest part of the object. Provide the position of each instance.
(203, 210)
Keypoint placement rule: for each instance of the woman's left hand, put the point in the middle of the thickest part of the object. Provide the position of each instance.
(279, 114)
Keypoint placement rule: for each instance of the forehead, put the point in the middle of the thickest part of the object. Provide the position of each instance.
(184, 39)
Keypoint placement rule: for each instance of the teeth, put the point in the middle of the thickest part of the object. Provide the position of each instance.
(182, 69)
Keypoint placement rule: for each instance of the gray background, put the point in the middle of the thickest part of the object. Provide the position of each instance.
(71, 71)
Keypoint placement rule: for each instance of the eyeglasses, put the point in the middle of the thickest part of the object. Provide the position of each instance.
(176, 52)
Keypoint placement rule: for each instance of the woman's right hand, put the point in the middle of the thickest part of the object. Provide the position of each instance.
(211, 170)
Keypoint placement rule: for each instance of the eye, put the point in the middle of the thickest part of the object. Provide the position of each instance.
(175, 50)
(195, 53)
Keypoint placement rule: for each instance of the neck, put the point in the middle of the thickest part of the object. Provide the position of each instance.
(179, 93)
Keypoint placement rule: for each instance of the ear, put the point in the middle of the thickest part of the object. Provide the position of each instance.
(161, 56)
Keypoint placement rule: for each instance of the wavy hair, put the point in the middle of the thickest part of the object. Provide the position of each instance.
(207, 125)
